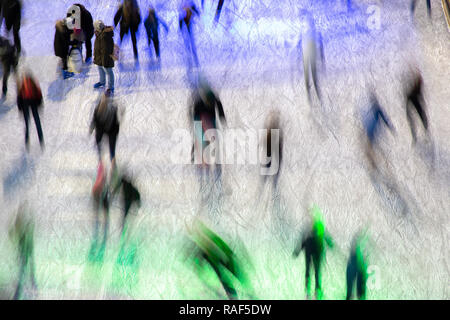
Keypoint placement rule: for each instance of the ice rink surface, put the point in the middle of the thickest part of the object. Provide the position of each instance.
(252, 61)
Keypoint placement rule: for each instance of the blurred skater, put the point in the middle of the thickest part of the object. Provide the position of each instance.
(9, 59)
(188, 9)
(372, 127)
(21, 233)
(309, 41)
(80, 20)
(413, 7)
(357, 268)
(61, 45)
(130, 194)
(129, 17)
(416, 102)
(29, 98)
(11, 11)
(105, 121)
(104, 54)
(314, 245)
(210, 248)
(218, 11)
(101, 201)
(151, 24)
(203, 116)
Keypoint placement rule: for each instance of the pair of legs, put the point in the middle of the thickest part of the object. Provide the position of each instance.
(27, 105)
(354, 275)
(26, 268)
(414, 102)
(101, 203)
(7, 65)
(124, 31)
(315, 259)
(112, 137)
(102, 72)
(153, 37)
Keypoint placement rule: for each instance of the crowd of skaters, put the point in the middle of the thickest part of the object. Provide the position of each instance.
(78, 28)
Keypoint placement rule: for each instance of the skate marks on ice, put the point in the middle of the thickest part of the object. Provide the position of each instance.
(396, 199)
(4, 110)
(60, 88)
(22, 172)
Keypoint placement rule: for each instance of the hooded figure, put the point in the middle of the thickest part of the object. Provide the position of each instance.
(11, 11)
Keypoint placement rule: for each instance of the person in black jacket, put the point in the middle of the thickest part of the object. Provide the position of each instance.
(87, 26)
(11, 11)
(105, 121)
(314, 244)
(61, 45)
(185, 20)
(151, 26)
(9, 59)
(30, 97)
(129, 17)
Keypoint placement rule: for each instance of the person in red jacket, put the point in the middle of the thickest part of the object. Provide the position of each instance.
(29, 97)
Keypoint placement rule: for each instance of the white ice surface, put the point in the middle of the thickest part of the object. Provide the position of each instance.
(254, 67)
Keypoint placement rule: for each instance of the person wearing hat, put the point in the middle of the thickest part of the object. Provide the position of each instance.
(103, 54)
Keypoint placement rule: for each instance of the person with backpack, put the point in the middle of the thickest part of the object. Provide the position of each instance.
(105, 121)
(9, 59)
(129, 17)
(151, 26)
(11, 11)
(104, 54)
(29, 97)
